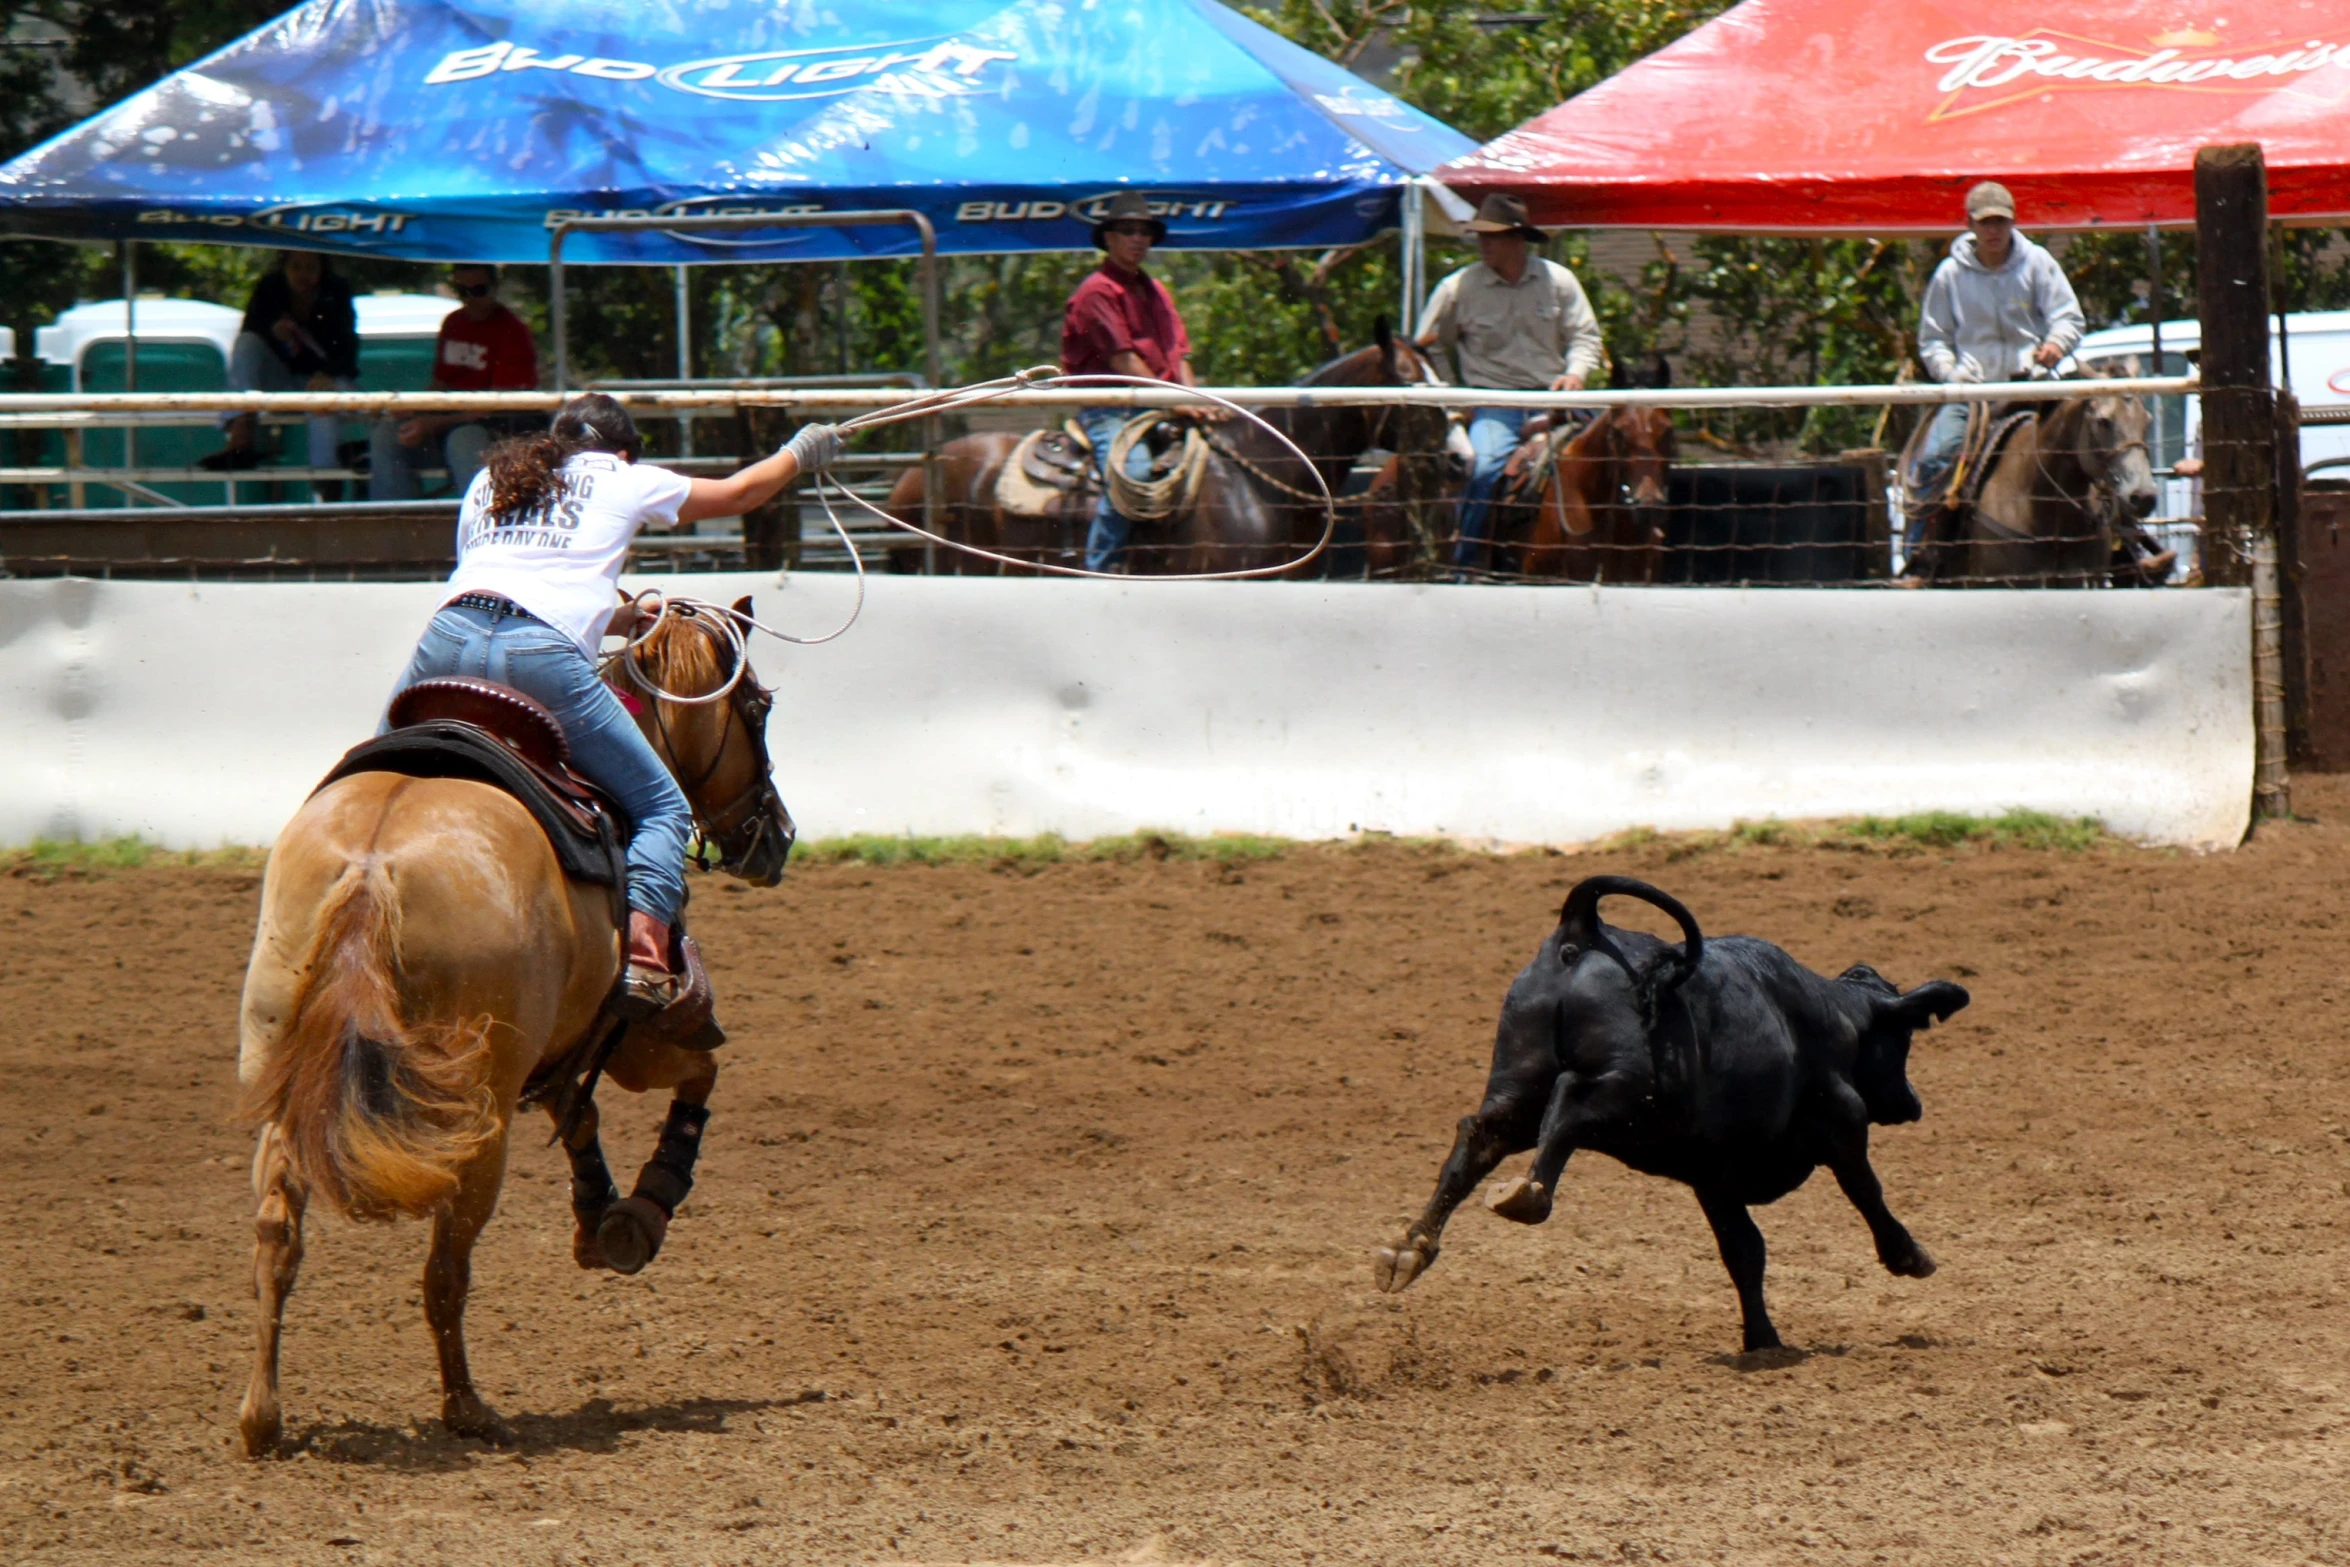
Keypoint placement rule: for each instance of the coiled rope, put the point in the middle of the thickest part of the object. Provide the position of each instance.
(732, 623)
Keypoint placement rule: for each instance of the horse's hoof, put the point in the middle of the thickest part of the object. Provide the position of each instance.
(1394, 1267)
(1917, 1265)
(631, 1234)
(261, 1427)
(587, 1249)
(466, 1415)
(1522, 1201)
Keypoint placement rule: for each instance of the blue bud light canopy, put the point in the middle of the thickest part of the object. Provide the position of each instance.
(464, 129)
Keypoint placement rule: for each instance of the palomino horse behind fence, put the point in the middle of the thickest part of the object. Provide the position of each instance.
(2060, 505)
(1257, 505)
(420, 955)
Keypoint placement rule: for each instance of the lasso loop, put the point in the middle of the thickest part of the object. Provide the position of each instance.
(731, 623)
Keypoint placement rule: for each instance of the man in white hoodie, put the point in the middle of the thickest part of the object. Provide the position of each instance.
(1997, 306)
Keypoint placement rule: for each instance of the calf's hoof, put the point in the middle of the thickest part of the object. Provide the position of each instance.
(1394, 1267)
(1917, 1265)
(466, 1415)
(631, 1234)
(260, 1425)
(1522, 1201)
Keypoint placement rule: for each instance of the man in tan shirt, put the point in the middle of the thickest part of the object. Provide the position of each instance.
(1518, 322)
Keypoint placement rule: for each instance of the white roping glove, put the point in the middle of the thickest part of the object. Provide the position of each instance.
(817, 446)
(1966, 370)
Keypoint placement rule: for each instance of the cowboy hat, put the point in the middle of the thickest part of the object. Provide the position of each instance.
(1501, 214)
(1128, 206)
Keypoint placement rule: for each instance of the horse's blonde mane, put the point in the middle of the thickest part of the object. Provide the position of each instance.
(681, 659)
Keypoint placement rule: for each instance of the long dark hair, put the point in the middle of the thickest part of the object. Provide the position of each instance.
(522, 469)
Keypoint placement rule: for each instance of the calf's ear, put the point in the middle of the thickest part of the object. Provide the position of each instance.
(1930, 1003)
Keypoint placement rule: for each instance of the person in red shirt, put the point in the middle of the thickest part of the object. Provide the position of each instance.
(1121, 321)
(483, 347)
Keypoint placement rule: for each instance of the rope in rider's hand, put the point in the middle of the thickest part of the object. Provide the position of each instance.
(818, 446)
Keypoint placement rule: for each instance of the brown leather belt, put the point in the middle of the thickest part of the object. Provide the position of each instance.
(491, 603)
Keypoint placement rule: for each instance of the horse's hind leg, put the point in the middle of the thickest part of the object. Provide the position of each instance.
(448, 1276)
(634, 1227)
(281, 1196)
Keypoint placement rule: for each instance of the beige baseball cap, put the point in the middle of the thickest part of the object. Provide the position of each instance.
(1990, 200)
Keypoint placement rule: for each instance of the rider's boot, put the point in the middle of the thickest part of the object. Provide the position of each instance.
(650, 983)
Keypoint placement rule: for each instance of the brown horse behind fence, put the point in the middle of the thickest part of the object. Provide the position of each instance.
(1599, 515)
(1257, 507)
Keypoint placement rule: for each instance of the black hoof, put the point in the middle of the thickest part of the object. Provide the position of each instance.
(631, 1234)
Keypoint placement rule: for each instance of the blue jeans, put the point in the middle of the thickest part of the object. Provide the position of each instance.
(253, 366)
(1938, 453)
(1494, 433)
(1105, 542)
(607, 748)
(391, 471)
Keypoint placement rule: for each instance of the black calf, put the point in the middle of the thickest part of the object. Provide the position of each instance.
(1725, 1065)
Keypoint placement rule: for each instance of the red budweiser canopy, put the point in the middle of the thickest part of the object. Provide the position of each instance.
(1807, 115)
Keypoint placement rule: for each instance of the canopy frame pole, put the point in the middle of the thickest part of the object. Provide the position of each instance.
(1414, 245)
(126, 253)
(2154, 321)
(685, 358)
(932, 361)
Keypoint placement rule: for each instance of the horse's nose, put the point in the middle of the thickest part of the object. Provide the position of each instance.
(2142, 501)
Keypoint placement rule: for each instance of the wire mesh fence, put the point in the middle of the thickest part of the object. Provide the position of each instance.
(2046, 485)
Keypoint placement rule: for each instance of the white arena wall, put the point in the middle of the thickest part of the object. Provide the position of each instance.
(197, 714)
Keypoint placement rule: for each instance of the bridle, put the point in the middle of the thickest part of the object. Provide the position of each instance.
(727, 835)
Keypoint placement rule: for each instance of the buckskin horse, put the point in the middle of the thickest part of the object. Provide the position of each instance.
(1256, 506)
(2059, 503)
(421, 957)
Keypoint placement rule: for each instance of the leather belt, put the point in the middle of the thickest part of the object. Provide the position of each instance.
(492, 603)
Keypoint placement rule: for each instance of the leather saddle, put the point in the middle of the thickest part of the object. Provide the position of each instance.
(1043, 470)
(1540, 440)
(460, 727)
(465, 728)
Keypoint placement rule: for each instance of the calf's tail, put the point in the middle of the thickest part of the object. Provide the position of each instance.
(379, 1114)
(1581, 924)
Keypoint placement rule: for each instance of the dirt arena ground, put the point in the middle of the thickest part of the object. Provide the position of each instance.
(1034, 1228)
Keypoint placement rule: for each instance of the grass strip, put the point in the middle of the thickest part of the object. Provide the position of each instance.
(1917, 832)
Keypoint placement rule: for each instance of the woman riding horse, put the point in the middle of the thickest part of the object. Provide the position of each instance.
(541, 539)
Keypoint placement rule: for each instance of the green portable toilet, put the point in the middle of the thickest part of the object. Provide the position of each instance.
(183, 347)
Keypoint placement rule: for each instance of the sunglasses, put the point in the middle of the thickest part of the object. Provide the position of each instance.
(471, 290)
(1134, 230)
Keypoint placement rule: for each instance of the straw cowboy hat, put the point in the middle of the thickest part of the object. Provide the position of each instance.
(1501, 214)
(1129, 206)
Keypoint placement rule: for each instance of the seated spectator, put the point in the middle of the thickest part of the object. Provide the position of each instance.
(483, 347)
(300, 334)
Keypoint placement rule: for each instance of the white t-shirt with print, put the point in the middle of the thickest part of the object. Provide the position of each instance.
(562, 561)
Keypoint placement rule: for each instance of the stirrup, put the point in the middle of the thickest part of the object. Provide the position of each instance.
(645, 992)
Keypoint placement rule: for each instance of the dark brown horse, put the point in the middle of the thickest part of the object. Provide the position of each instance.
(1258, 505)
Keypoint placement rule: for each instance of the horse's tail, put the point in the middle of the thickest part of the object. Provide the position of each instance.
(379, 1114)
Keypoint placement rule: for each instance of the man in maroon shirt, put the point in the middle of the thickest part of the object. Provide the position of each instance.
(483, 347)
(1121, 321)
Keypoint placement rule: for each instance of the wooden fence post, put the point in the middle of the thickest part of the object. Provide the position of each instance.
(2239, 432)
